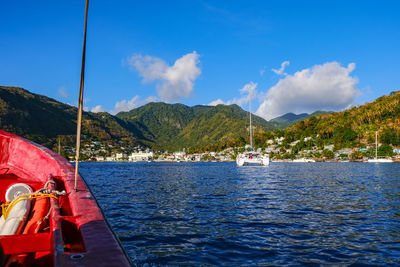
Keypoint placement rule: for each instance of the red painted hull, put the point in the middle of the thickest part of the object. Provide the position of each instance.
(77, 233)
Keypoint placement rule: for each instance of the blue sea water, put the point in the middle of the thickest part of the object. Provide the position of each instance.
(220, 214)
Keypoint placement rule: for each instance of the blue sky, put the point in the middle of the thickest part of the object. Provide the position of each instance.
(337, 53)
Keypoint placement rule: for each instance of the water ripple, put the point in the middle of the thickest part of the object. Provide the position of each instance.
(218, 214)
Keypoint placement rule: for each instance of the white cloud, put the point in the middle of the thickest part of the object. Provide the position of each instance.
(98, 108)
(151, 99)
(282, 69)
(125, 105)
(262, 71)
(217, 102)
(62, 92)
(150, 68)
(174, 82)
(322, 87)
(250, 87)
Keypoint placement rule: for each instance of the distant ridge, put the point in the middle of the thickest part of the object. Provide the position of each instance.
(158, 125)
(290, 118)
(43, 120)
(177, 125)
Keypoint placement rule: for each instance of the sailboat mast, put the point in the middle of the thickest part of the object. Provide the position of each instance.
(79, 121)
(251, 136)
(376, 144)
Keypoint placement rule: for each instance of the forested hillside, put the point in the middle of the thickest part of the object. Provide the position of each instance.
(45, 120)
(355, 126)
(157, 125)
(177, 126)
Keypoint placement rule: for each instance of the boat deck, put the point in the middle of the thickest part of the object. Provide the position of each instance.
(75, 232)
(31, 247)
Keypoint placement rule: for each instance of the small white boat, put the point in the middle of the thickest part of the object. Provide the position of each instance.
(381, 160)
(376, 159)
(252, 158)
(303, 160)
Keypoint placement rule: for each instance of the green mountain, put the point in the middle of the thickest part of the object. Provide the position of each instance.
(177, 126)
(44, 120)
(220, 124)
(159, 123)
(288, 119)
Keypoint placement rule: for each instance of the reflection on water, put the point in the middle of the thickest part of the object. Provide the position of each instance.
(221, 214)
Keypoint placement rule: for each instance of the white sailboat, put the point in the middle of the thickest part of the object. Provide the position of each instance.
(381, 160)
(252, 157)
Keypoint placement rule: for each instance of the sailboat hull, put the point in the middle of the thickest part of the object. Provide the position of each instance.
(247, 159)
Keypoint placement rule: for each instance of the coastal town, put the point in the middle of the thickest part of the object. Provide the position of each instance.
(277, 149)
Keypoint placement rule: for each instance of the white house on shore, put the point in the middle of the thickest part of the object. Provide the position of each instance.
(110, 158)
(99, 158)
(141, 156)
(179, 155)
(120, 156)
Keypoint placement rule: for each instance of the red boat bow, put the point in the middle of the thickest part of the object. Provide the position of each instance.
(77, 234)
